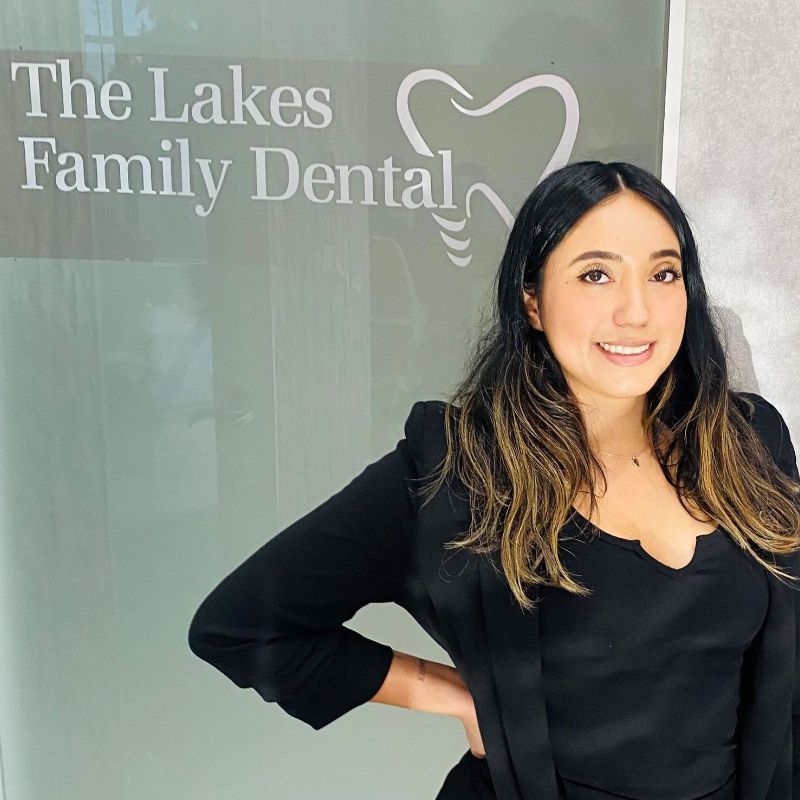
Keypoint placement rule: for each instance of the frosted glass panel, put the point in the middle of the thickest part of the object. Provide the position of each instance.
(238, 241)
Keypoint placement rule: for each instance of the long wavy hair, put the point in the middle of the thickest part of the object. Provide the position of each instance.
(515, 434)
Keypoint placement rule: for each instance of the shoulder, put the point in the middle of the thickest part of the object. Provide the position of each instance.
(763, 415)
(425, 434)
(771, 428)
(758, 409)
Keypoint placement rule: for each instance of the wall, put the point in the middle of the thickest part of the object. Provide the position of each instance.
(737, 179)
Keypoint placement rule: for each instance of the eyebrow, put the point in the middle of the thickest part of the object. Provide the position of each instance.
(604, 254)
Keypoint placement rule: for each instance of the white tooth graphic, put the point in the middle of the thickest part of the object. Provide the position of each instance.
(559, 157)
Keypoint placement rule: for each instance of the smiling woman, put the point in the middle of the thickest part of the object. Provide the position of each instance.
(642, 300)
(600, 263)
(569, 440)
(670, 670)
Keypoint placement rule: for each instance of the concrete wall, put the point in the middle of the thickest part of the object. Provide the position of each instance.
(737, 178)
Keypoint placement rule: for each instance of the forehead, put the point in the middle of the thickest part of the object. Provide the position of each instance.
(624, 223)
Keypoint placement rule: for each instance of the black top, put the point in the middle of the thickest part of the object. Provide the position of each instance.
(642, 678)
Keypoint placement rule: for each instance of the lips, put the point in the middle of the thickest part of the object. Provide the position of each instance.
(626, 360)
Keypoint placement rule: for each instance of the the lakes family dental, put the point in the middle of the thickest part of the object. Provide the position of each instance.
(276, 172)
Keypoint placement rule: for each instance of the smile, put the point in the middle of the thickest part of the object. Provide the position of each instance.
(626, 356)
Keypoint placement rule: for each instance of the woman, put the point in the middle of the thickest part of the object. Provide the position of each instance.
(601, 534)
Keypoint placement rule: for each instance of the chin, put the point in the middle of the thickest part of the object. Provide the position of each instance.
(622, 386)
(605, 388)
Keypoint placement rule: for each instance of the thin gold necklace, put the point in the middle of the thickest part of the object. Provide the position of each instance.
(635, 458)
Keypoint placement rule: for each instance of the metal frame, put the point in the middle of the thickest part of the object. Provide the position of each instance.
(672, 94)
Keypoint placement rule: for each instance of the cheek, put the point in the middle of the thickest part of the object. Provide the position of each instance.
(673, 315)
(576, 324)
(582, 317)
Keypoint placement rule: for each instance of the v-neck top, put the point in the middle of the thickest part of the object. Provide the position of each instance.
(642, 678)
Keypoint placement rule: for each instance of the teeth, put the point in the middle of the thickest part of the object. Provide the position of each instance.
(616, 348)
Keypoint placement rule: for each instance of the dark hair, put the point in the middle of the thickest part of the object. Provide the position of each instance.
(515, 434)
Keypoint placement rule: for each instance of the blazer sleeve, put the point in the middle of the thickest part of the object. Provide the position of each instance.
(787, 462)
(275, 624)
(773, 432)
(782, 448)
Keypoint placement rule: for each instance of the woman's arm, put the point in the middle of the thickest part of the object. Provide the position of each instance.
(421, 685)
(275, 624)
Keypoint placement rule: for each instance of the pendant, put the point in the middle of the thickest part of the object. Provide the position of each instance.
(635, 461)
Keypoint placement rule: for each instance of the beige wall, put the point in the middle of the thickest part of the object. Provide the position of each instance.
(737, 178)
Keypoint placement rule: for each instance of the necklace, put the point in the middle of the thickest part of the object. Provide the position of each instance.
(635, 458)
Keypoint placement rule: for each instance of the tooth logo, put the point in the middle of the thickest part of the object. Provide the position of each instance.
(458, 247)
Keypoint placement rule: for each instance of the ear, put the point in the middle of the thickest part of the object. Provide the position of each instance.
(532, 309)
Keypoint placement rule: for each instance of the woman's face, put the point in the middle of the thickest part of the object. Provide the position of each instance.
(625, 292)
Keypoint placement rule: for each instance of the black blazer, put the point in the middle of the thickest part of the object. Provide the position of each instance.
(275, 624)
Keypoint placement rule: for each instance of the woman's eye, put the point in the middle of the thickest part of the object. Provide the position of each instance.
(592, 272)
(676, 274)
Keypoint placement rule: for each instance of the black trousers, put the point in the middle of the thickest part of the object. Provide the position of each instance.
(577, 791)
(469, 779)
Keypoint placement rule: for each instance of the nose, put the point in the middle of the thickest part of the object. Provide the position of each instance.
(632, 303)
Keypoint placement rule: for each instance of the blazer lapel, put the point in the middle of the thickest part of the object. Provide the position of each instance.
(515, 666)
(766, 712)
(496, 649)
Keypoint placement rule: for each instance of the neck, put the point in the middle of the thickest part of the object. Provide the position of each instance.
(616, 426)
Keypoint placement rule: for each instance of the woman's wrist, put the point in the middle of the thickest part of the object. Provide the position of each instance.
(422, 685)
(442, 689)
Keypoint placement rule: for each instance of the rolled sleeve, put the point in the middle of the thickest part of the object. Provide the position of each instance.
(275, 624)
